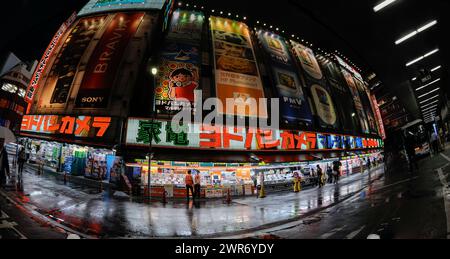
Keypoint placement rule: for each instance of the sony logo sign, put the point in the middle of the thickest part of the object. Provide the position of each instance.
(92, 99)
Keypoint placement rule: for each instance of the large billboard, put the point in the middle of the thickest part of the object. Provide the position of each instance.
(186, 26)
(66, 65)
(38, 74)
(104, 63)
(367, 107)
(294, 106)
(180, 63)
(351, 82)
(179, 77)
(340, 91)
(99, 6)
(237, 73)
(315, 80)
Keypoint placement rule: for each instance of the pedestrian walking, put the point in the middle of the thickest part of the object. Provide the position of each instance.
(313, 177)
(297, 182)
(435, 142)
(336, 171)
(319, 176)
(21, 159)
(4, 164)
(369, 165)
(329, 174)
(189, 185)
(197, 185)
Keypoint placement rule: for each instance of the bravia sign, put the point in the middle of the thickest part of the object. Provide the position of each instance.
(162, 134)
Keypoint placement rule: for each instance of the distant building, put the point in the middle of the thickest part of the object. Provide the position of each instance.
(14, 79)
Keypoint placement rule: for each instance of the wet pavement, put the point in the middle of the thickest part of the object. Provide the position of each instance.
(393, 205)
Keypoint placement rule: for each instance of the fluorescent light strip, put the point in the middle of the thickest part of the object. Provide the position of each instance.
(427, 100)
(422, 57)
(430, 104)
(427, 26)
(383, 5)
(431, 83)
(429, 108)
(414, 79)
(412, 34)
(430, 112)
(436, 68)
(430, 92)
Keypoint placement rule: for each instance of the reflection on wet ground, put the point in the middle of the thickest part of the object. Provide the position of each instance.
(89, 211)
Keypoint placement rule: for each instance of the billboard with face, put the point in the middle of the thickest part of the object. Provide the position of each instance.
(104, 63)
(294, 106)
(178, 78)
(315, 80)
(237, 73)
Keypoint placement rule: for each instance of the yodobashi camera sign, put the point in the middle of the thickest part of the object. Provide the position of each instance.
(99, 6)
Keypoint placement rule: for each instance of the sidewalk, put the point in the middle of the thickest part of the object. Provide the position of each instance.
(99, 214)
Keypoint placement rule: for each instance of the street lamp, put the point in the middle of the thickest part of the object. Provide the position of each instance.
(154, 72)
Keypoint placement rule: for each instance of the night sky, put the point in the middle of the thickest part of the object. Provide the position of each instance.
(29, 25)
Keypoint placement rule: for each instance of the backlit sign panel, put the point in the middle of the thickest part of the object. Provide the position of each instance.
(99, 6)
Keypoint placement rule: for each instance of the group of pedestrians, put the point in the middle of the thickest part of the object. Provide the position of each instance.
(193, 185)
(333, 174)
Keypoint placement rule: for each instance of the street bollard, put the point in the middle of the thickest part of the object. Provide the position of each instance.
(164, 201)
(229, 196)
(262, 192)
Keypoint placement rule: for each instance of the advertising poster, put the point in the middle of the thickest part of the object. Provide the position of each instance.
(294, 106)
(237, 73)
(378, 116)
(367, 107)
(186, 26)
(340, 91)
(357, 100)
(178, 78)
(104, 64)
(316, 82)
(66, 64)
(99, 6)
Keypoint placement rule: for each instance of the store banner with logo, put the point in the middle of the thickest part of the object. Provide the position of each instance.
(237, 72)
(194, 136)
(294, 106)
(103, 66)
(340, 91)
(357, 100)
(88, 128)
(66, 65)
(316, 82)
(186, 26)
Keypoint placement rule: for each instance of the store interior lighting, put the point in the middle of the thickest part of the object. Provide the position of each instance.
(427, 100)
(436, 68)
(431, 83)
(430, 92)
(424, 106)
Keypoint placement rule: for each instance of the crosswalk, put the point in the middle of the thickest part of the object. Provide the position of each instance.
(8, 228)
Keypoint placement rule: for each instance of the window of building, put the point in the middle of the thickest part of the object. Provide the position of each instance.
(9, 88)
(21, 92)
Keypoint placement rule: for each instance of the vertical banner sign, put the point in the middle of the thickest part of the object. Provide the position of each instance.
(34, 84)
(103, 66)
(179, 72)
(367, 107)
(237, 73)
(294, 106)
(66, 65)
(357, 100)
(378, 116)
(340, 92)
(315, 81)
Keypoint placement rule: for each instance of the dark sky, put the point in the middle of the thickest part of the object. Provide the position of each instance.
(29, 25)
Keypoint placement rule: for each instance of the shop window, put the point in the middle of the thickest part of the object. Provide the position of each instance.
(21, 92)
(7, 87)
